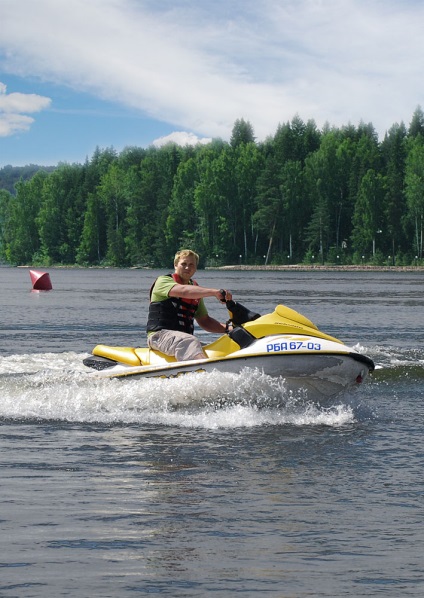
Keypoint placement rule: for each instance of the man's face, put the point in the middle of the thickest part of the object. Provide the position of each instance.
(185, 268)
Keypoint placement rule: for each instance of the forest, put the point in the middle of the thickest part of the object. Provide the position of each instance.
(304, 195)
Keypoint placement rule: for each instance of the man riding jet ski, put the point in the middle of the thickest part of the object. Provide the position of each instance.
(176, 300)
(283, 343)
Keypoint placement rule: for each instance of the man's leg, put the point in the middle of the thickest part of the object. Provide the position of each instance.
(179, 344)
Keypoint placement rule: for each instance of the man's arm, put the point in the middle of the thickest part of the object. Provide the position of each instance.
(189, 291)
(210, 324)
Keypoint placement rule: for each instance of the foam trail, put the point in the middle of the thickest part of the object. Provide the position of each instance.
(57, 387)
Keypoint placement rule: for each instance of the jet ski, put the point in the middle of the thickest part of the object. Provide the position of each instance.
(283, 344)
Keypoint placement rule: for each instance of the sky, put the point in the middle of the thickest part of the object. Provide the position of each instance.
(81, 74)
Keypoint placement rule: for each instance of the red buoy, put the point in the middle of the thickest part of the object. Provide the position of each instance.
(40, 281)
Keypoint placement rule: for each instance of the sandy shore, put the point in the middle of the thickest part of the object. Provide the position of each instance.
(316, 267)
(287, 267)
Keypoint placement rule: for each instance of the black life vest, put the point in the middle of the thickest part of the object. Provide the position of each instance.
(173, 313)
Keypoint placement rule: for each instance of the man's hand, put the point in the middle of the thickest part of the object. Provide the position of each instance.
(224, 295)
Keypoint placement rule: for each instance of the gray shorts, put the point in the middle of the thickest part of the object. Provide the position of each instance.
(181, 345)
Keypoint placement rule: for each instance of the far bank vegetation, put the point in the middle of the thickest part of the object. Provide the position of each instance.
(333, 196)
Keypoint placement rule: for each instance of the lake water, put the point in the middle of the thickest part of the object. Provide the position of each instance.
(122, 488)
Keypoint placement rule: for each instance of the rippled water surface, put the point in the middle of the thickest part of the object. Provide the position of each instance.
(215, 484)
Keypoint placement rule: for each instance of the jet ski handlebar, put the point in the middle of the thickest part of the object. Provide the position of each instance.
(239, 314)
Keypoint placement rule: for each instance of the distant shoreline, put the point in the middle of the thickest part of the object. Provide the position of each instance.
(241, 267)
(316, 267)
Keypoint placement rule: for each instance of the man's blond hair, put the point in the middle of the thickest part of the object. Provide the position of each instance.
(186, 253)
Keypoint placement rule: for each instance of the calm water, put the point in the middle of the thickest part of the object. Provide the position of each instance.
(126, 488)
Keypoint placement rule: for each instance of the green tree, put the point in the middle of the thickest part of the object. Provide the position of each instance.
(296, 140)
(113, 195)
(322, 174)
(366, 155)
(394, 154)
(169, 158)
(414, 189)
(22, 241)
(416, 126)
(6, 199)
(181, 223)
(214, 196)
(318, 229)
(292, 193)
(60, 217)
(135, 218)
(269, 206)
(148, 208)
(248, 165)
(242, 133)
(92, 247)
(368, 214)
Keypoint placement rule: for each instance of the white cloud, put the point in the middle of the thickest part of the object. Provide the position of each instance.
(14, 123)
(182, 138)
(202, 65)
(13, 110)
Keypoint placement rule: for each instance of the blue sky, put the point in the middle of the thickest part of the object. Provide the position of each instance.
(114, 73)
